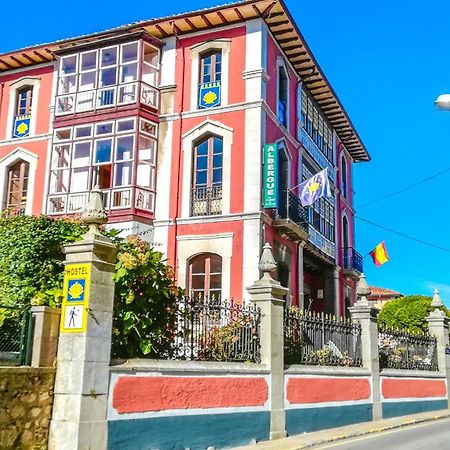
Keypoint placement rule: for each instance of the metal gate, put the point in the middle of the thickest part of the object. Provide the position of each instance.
(16, 331)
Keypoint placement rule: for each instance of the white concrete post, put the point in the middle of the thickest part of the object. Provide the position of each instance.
(81, 386)
(267, 294)
(365, 314)
(438, 327)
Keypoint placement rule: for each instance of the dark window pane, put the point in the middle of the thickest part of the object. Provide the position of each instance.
(202, 163)
(202, 177)
(217, 161)
(217, 176)
(215, 281)
(216, 264)
(217, 145)
(202, 148)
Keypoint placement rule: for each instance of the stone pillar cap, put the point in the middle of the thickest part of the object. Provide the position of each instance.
(94, 214)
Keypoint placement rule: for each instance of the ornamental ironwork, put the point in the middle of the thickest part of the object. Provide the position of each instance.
(211, 329)
(399, 349)
(321, 339)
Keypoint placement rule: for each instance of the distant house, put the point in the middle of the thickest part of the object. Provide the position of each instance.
(380, 296)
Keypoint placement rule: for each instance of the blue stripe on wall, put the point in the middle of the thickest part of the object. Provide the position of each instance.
(397, 409)
(313, 419)
(193, 432)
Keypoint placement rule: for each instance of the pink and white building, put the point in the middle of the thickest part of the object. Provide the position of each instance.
(170, 117)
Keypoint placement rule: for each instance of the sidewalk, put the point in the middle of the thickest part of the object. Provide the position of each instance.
(308, 440)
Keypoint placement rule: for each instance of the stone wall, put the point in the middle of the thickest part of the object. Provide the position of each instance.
(26, 398)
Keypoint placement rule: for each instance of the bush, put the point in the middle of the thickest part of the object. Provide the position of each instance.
(31, 272)
(408, 313)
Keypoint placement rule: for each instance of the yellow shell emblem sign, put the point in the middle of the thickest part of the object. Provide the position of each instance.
(22, 128)
(76, 290)
(313, 187)
(209, 98)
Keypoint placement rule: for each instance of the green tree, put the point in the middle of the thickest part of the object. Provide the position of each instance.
(31, 272)
(408, 313)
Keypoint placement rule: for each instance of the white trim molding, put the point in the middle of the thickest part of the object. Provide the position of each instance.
(188, 140)
(35, 83)
(7, 161)
(218, 44)
(187, 248)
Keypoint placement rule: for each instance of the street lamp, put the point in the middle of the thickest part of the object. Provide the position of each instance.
(443, 102)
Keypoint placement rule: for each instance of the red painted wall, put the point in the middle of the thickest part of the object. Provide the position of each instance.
(319, 390)
(409, 388)
(39, 147)
(140, 394)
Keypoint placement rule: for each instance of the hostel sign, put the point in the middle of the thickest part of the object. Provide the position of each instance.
(76, 298)
(270, 176)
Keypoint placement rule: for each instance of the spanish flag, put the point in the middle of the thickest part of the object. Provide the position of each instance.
(379, 254)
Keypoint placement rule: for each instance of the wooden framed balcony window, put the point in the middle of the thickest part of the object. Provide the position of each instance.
(17, 188)
(207, 177)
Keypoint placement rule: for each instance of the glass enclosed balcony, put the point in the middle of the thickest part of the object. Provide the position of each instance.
(108, 77)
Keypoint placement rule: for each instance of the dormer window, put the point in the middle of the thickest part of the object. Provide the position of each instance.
(210, 79)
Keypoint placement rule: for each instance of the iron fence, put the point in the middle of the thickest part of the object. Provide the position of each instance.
(15, 335)
(320, 339)
(215, 330)
(402, 350)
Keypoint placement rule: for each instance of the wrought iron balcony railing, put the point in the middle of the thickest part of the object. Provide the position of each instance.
(206, 201)
(352, 259)
(291, 208)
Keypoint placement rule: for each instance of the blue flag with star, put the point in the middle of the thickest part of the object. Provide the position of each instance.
(314, 188)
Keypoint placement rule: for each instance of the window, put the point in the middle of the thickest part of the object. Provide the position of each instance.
(116, 155)
(321, 213)
(22, 112)
(312, 120)
(210, 77)
(207, 177)
(283, 89)
(17, 187)
(108, 77)
(344, 176)
(205, 276)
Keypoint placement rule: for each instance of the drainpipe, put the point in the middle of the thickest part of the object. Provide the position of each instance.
(180, 148)
(2, 86)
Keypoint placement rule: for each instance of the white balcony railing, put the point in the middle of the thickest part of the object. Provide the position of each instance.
(107, 97)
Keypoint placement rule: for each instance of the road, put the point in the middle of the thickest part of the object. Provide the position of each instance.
(433, 435)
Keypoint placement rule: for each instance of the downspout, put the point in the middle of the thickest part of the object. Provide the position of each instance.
(2, 86)
(180, 148)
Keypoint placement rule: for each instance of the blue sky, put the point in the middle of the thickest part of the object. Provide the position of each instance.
(387, 64)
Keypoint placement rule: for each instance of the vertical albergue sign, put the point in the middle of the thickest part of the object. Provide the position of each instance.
(270, 176)
(77, 278)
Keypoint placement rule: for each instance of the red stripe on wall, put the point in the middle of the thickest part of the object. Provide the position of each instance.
(140, 394)
(401, 388)
(318, 390)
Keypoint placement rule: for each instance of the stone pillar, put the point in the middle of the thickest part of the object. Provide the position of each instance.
(438, 326)
(82, 376)
(301, 279)
(364, 313)
(45, 335)
(268, 295)
(337, 293)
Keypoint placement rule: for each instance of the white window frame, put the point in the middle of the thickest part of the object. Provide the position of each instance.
(19, 155)
(204, 129)
(224, 45)
(14, 88)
